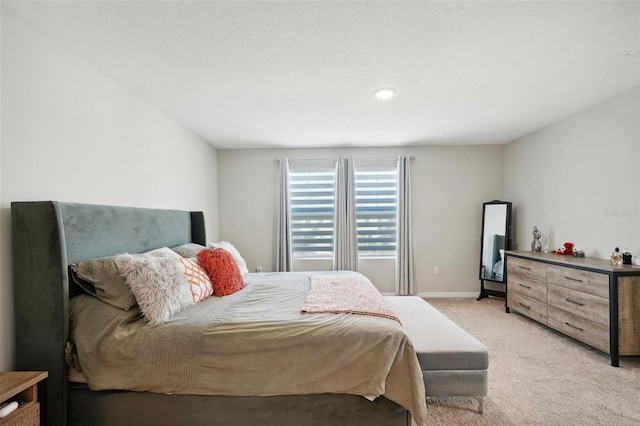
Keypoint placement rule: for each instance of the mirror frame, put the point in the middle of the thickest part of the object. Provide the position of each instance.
(507, 246)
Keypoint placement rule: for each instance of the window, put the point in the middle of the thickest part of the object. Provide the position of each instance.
(312, 204)
(376, 209)
(312, 200)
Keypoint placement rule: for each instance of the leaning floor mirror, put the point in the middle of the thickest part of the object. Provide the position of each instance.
(494, 240)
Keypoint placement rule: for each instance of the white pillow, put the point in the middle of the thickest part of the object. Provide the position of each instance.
(242, 265)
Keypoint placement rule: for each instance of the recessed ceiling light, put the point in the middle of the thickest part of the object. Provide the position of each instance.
(384, 93)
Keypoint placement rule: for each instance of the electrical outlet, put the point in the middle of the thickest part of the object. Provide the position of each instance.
(258, 268)
(436, 270)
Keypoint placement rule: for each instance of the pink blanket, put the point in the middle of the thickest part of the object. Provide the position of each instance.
(350, 293)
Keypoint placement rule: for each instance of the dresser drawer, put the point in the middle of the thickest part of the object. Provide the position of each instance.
(26, 415)
(580, 328)
(586, 281)
(529, 287)
(527, 268)
(583, 304)
(531, 308)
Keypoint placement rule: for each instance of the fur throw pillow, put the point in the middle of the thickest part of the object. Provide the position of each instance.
(163, 286)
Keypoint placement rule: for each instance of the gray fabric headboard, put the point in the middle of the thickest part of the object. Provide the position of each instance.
(47, 237)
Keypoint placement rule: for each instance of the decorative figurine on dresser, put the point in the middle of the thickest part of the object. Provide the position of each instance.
(536, 245)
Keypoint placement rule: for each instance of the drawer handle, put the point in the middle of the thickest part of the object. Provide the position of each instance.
(524, 267)
(573, 279)
(573, 301)
(523, 305)
(525, 286)
(574, 326)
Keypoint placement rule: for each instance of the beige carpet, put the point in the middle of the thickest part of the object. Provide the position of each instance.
(538, 376)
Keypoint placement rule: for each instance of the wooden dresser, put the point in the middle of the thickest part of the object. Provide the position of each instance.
(588, 299)
(21, 386)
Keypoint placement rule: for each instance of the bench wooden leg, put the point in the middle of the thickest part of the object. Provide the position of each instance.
(480, 404)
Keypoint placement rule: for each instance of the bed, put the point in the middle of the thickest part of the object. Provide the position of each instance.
(50, 236)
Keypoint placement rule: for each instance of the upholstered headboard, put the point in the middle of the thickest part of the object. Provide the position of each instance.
(47, 237)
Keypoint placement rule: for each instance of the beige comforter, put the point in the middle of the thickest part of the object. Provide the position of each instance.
(254, 342)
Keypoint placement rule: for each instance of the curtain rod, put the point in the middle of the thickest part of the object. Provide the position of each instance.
(277, 160)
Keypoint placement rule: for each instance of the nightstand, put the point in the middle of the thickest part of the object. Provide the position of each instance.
(21, 386)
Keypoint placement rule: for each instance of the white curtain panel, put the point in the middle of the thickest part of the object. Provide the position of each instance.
(345, 241)
(405, 282)
(283, 249)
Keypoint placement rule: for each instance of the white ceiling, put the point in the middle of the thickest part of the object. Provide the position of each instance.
(301, 74)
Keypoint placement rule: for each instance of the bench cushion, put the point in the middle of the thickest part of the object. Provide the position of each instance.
(440, 343)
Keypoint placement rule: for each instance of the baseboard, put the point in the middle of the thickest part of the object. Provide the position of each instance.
(442, 294)
(450, 294)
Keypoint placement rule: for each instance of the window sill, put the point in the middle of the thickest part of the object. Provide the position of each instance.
(312, 258)
(377, 258)
(359, 258)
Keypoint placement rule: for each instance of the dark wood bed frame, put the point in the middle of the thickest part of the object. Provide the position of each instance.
(47, 237)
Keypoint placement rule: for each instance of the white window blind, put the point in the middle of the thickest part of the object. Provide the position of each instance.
(376, 199)
(312, 199)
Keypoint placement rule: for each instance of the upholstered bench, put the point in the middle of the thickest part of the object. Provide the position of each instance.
(454, 363)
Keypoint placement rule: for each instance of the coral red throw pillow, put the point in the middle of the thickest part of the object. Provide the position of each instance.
(222, 270)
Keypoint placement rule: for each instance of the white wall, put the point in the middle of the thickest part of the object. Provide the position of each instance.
(71, 134)
(578, 180)
(449, 186)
